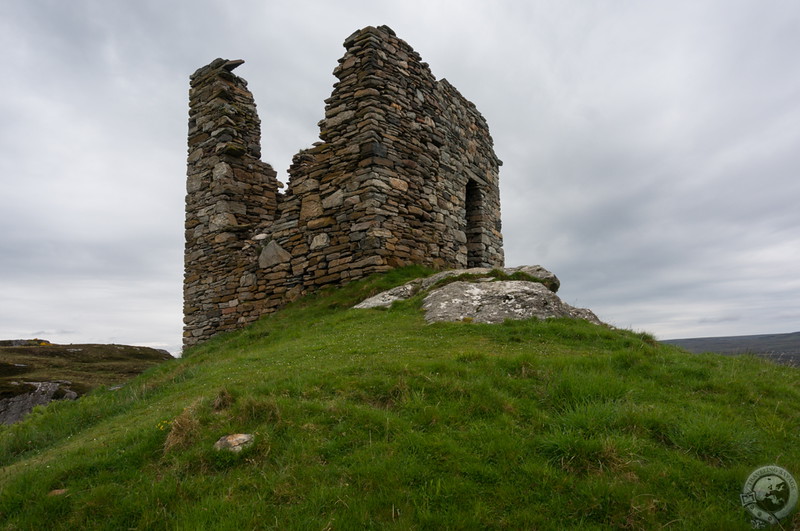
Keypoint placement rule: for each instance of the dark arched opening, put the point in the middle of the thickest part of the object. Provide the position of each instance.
(474, 210)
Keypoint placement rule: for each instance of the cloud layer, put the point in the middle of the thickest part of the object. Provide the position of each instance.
(650, 149)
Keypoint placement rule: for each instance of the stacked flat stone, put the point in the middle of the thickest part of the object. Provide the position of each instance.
(229, 192)
(405, 173)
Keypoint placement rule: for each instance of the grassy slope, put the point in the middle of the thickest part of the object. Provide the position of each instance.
(371, 419)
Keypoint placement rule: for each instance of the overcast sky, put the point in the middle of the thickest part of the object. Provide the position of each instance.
(651, 149)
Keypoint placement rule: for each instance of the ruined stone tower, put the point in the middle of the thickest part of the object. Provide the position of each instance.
(405, 173)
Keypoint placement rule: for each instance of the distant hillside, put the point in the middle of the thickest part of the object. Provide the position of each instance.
(35, 371)
(780, 348)
(373, 419)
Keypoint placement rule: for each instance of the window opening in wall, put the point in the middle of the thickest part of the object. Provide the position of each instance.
(474, 212)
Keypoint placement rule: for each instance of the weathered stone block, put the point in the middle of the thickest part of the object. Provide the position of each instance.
(311, 207)
(320, 241)
(319, 223)
(273, 254)
(334, 200)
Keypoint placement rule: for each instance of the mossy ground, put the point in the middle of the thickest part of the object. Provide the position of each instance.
(370, 419)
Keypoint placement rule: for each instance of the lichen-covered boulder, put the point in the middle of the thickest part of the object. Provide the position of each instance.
(485, 295)
(495, 302)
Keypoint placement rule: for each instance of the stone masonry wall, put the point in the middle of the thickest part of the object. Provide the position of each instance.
(405, 173)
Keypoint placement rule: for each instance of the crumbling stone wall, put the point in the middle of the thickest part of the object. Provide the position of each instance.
(405, 173)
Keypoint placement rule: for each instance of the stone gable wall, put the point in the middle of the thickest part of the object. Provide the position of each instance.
(405, 173)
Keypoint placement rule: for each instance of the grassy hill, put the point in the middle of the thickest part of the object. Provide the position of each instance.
(370, 419)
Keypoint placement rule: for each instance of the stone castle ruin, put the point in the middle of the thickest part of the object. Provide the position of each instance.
(405, 173)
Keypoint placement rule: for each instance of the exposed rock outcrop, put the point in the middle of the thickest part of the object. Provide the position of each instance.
(15, 408)
(485, 295)
(494, 302)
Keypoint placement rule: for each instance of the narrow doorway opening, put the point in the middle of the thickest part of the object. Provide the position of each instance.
(474, 211)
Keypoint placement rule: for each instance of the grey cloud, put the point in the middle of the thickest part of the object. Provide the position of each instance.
(649, 148)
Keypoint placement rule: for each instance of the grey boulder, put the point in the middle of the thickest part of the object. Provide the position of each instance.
(16, 408)
(479, 296)
(495, 302)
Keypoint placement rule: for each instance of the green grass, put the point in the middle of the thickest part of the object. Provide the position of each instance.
(370, 419)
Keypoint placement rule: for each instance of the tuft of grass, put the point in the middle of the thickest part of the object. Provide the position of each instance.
(576, 453)
(372, 419)
(183, 429)
(223, 400)
(717, 441)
